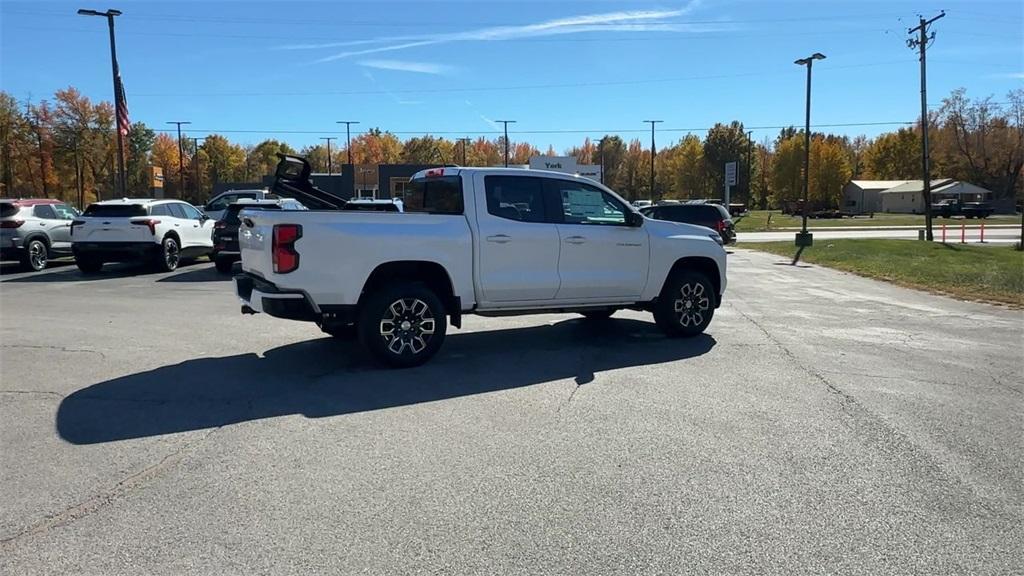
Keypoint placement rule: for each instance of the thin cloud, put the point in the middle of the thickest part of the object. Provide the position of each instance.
(406, 66)
(623, 21)
(1009, 76)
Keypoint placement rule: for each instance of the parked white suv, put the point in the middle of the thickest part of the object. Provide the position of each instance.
(486, 241)
(160, 231)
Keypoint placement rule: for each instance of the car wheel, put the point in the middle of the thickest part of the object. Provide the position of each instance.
(341, 331)
(686, 304)
(403, 325)
(224, 265)
(170, 255)
(598, 315)
(35, 256)
(88, 264)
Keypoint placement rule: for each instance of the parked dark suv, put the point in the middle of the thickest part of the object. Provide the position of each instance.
(225, 231)
(712, 216)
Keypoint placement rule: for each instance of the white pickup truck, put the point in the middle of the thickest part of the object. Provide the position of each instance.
(486, 241)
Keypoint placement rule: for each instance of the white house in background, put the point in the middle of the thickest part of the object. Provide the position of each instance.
(863, 196)
(909, 197)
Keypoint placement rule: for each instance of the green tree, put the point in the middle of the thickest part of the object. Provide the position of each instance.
(725, 143)
(613, 152)
(262, 159)
(221, 161)
(140, 144)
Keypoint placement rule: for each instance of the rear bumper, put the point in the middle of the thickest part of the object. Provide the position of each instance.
(116, 251)
(261, 296)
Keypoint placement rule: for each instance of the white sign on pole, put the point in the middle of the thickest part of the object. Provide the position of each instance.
(730, 173)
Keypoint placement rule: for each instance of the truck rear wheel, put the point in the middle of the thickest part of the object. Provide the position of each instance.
(686, 304)
(402, 325)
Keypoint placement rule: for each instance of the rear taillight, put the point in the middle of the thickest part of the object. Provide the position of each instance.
(11, 223)
(720, 226)
(286, 259)
(220, 224)
(150, 222)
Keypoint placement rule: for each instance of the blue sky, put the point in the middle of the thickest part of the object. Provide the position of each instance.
(252, 70)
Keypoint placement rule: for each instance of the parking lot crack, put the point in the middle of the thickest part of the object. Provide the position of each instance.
(34, 393)
(118, 491)
(54, 348)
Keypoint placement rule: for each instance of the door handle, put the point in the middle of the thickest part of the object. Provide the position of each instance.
(575, 239)
(499, 238)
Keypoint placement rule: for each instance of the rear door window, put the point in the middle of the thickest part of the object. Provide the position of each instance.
(115, 210)
(44, 211)
(8, 209)
(160, 210)
(515, 198)
(177, 211)
(191, 212)
(435, 195)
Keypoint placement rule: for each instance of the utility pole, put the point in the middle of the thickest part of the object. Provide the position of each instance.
(119, 111)
(600, 149)
(750, 167)
(804, 239)
(348, 137)
(653, 153)
(465, 142)
(506, 123)
(181, 160)
(329, 166)
(195, 162)
(921, 44)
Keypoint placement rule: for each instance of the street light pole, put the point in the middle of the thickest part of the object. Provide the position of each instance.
(506, 123)
(750, 167)
(804, 239)
(328, 138)
(348, 137)
(652, 123)
(118, 105)
(181, 159)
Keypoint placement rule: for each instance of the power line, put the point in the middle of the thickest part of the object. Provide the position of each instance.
(549, 131)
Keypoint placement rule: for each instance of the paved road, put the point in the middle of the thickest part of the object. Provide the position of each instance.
(992, 235)
(826, 424)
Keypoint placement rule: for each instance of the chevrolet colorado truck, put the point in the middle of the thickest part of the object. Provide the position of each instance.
(484, 241)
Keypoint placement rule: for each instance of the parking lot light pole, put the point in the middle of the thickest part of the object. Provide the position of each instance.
(506, 123)
(329, 166)
(109, 15)
(804, 239)
(652, 123)
(348, 137)
(181, 159)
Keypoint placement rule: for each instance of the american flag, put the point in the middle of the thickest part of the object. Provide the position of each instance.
(123, 124)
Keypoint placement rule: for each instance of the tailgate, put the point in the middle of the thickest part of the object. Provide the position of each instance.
(112, 229)
(255, 235)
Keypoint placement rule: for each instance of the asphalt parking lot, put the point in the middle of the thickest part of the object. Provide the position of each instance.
(825, 424)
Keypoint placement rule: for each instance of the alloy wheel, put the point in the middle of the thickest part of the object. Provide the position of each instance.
(691, 305)
(171, 254)
(37, 255)
(407, 325)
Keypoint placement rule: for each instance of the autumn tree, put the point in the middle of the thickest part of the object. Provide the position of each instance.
(262, 159)
(787, 170)
(611, 152)
(725, 143)
(894, 156)
(223, 162)
(829, 171)
(376, 147)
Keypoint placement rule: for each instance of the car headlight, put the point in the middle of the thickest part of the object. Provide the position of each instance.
(717, 239)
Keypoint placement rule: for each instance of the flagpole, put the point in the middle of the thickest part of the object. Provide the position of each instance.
(119, 104)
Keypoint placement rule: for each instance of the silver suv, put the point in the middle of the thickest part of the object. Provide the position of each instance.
(34, 230)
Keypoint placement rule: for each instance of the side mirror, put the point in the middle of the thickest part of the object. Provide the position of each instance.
(634, 219)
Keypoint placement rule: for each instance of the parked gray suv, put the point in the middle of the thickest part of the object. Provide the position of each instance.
(34, 230)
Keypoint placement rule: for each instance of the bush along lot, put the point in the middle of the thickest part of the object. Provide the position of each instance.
(984, 273)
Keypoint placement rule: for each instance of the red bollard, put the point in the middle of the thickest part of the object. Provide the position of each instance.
(963, 233)
(982, 231)
(943, 232)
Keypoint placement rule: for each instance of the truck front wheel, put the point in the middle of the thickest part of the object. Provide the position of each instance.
(686, 304)
(402, 325)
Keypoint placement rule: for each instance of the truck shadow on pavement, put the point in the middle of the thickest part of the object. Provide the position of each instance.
(323, 377)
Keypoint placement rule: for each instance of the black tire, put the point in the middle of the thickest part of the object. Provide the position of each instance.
(345, 332)
(88, 264)
(598, 315)
(169, 257)
(686, 304)
(224, 265)
(35, 256)
(418, 309)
